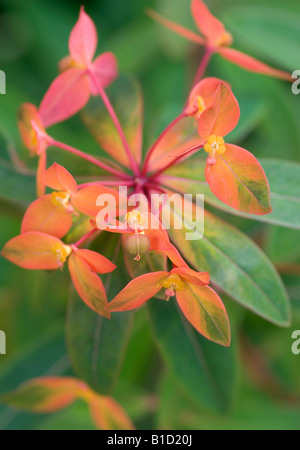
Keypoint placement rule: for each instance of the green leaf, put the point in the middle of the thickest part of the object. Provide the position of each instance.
(238, 266)
(253, 110)
(16, 187)
(283, 178)
(45, 355)
(267, 31)
(205, 372)
(95, 344)
(125, 96)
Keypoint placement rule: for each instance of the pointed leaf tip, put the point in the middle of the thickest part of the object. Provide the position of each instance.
(88, 285)
(59, 179)
(211, 27)
(138, 291)
(204, 309)
(223, 116)
(83, 39)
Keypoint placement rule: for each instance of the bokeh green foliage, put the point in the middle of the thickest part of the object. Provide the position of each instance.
(265, 388)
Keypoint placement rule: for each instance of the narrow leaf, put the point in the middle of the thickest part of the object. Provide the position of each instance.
(107, 414)
(238, 266)
(138, 291)
(96, 345)
(205, 372)
(43, 395)
(88, 285)
(205, 311)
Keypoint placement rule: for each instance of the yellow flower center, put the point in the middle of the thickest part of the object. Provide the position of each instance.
(60, 199)
(62, 253)
(135, 220)
(215, 144)
(174, 283)
(226, 40)
(33, 140)
(84, 392)
(200, 103)
(69, 63)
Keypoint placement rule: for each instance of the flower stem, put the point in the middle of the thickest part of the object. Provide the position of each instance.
(107, 183)
(86, 237)
(116, 122)
(175, 161)
(90, 159)
(164, 133)
(204, 64)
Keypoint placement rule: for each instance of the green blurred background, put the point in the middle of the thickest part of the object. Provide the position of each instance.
(33, 38)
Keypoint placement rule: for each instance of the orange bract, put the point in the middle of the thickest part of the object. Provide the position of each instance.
(217, 39)
(40, 251)
(233, 174)
(201, 305)
(72, 89)
(35, 139)
(49, 394)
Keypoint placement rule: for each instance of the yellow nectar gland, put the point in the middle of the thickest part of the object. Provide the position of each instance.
(33, 141)
(69, 63)
(172, 284)
(226, 40)
(62, 253)
(60, 199)
(84, 392)
(215, 144)
(199, 106)
(135, 220)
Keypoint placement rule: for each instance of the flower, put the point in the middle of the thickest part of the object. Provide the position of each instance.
(202, 96)
(217, 39)
(201, 305)
(35, 139)
(50, 394)
(81, 76)
(40, 251)
(52, 213)
(233, 174)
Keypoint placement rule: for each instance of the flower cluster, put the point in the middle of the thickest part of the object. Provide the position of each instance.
(234, 175)
(50, 394)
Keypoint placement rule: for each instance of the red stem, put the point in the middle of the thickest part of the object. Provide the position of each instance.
(174, 161)
(89, 158)
(86, 237)
(108, 183)
(203, 66)
(150, 152)
(116, 122)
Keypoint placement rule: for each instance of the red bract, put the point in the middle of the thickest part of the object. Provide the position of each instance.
(35, 139)
(50, 394)
(200, 304)
(81, 76)
(40, 251)
(217, 39)
(233, 174)
(52, 213)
